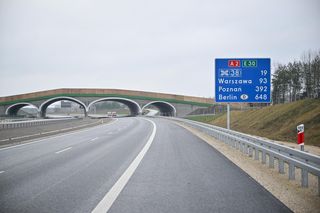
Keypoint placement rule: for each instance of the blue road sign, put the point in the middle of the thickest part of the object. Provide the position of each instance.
(245, 80)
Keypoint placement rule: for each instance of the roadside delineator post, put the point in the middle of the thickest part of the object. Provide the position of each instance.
(300, 136)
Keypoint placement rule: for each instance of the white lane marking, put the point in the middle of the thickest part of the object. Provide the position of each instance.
(1, 172)
(107, 201)
(57, 136)
(66, 149)
(93, 139)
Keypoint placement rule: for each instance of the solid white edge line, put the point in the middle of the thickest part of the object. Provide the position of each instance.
(56, 136)
(63, 150)
(105, 204)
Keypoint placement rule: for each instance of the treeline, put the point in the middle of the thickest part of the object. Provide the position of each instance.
(297, 80)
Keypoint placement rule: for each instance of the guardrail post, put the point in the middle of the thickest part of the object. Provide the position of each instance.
(271, 161)
(229, 141)
(223, 138)
(304, 178)
(250, 152)
(256, 154)
(292, 174)
(263, 157)
(246, 149)
(281, 166)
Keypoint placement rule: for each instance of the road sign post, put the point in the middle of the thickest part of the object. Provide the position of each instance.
(228, 116)
(242, 80)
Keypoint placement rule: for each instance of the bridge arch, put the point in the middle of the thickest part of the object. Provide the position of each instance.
(133, 106)
(43, 107)
(14, 109)
(166, 109)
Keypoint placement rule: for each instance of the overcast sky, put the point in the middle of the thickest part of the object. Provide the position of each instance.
(162, 46)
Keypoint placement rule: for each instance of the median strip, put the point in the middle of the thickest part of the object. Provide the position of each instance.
(105, 204)
(66, 149)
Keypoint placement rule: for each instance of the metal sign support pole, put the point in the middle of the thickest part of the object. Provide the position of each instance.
(228, 116)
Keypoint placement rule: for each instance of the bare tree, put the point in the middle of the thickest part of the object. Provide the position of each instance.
(297, 80)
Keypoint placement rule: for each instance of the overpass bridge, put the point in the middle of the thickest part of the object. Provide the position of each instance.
(137, 101)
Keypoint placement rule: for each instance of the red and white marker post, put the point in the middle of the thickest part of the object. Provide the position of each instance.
(300, 136)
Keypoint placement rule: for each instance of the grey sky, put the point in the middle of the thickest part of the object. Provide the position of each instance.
(162, 46)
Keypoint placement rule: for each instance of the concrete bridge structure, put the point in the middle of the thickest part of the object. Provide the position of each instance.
(137, 101)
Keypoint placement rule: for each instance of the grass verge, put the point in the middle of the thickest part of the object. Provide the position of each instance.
(276, 122)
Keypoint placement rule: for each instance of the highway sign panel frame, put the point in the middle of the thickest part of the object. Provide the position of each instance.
(243, 80)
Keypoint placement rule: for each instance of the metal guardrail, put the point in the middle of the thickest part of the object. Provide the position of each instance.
(50, 132)
(254, 146)
(29, 123)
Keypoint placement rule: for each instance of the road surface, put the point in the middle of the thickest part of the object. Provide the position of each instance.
(130, 165)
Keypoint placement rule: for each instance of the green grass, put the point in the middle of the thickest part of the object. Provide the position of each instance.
(276, 122)
(204, 118)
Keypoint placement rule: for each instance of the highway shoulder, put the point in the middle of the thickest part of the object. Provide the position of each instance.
(288, 192)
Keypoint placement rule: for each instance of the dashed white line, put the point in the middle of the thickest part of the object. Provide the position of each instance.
(66, 149)
(105, 204)
(53, 137)
(1, 172)
(93, 139)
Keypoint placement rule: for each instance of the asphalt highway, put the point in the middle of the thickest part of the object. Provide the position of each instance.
(129, 165)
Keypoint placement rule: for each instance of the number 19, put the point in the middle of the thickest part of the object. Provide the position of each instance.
(264, 72)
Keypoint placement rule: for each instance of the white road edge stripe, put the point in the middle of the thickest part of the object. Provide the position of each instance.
(66, 149)
(105, 204)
